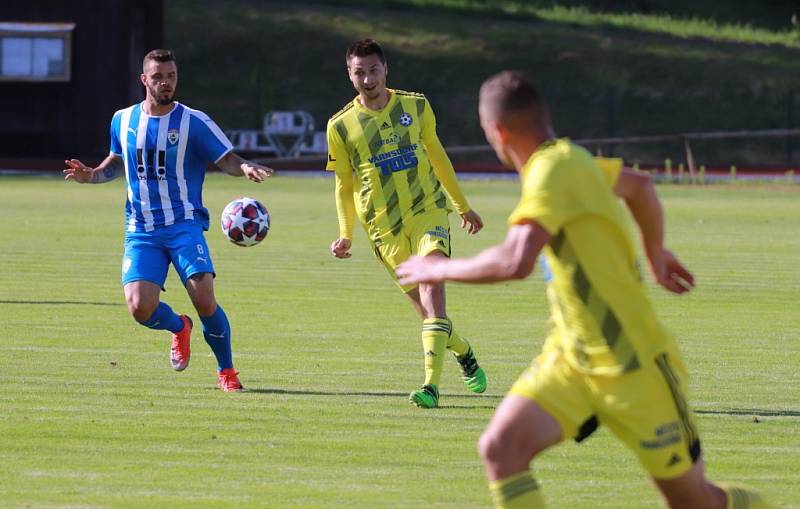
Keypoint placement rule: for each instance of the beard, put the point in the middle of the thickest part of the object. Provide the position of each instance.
(162, 98)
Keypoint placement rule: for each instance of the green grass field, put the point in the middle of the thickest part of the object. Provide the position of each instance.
(92, 415)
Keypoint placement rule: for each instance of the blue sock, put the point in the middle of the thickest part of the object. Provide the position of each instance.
(164, 318)
(217, 332)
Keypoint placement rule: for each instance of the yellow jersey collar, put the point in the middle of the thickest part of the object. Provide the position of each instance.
(546, 144)
(389, 104)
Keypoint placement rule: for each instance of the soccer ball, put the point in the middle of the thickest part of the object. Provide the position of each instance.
(245, 221)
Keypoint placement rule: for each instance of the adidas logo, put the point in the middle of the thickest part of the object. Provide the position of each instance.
(385, 125)
(674, 460)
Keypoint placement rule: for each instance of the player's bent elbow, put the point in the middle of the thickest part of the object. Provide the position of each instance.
(520, 269)
(520, 274)
(522, 265)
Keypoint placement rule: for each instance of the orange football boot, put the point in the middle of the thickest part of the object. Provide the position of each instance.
(229, 380)
(180, 352)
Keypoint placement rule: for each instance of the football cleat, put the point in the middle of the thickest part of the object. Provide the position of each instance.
(426, 397)
(180, 351)
(229, 380)
(472, 374)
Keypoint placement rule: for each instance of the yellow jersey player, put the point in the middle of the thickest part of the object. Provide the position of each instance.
(392, 170)
(607, 360)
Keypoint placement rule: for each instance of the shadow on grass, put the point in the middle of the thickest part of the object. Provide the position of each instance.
(324, 393)
(467, 407)
(376, 394)
(60, 303)
(760, 412)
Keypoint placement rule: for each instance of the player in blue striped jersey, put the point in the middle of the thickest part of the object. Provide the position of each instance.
(162, 148)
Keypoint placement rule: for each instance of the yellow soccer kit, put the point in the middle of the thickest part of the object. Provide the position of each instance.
(606, 357)
(392, 170)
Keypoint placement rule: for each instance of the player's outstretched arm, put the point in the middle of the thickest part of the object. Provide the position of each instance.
(640, 196)
(233, 164)
(111, 168)
(515, 258)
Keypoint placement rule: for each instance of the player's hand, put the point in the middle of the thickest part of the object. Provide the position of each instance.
(471, 221)
(341, 248)
(421, 269)
(670, 273)
(77, 171)
(256, 172)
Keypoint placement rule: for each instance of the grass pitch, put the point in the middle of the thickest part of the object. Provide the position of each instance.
(92, 415)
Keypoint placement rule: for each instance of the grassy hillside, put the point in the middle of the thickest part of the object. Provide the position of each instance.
(242, 58)
(769, 22)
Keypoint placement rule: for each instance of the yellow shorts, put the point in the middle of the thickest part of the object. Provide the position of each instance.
(420, 235)
(645, 408)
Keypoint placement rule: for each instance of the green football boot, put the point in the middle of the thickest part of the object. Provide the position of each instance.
(426, 397)
(472, 374)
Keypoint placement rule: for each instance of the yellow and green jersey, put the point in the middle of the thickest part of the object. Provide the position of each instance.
(602, 318)
(391, 163)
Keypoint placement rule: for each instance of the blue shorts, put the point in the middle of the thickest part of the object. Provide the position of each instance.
(148, 254)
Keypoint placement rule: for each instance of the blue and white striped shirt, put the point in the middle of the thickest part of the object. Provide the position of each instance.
(165, 164)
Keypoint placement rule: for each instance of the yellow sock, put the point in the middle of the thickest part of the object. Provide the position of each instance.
(743, 498)
(519, 491)
(456, 343)
(434, 341)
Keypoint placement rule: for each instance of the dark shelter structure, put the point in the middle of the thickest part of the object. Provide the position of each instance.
(65, 68)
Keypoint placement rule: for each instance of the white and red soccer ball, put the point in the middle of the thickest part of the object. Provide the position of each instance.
(245, 221)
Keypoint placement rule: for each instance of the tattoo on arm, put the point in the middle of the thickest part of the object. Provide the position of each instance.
(113, 169)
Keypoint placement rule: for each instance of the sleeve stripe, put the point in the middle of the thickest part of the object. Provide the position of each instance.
(215, 130)
(227, 151)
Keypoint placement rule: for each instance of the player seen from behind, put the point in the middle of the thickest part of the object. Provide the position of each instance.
(607, 359)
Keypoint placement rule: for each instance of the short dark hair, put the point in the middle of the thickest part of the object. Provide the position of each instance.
(160, 55)
(508, 92)
(363, 48)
